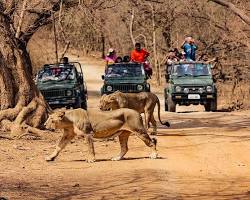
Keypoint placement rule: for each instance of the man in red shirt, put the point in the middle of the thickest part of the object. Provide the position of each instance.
(138, 54)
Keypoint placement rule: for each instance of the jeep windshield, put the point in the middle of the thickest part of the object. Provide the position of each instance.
(56, 74)
(190, 69)
(124, 70)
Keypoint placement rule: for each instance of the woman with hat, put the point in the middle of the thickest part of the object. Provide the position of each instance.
(111, 56)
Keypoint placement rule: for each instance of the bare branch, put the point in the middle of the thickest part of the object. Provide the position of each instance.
(44, 17)
(234, 9)
(131, 26)
(18, 31)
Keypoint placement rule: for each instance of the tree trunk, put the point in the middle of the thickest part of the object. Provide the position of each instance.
(131, 27)
(22, 105)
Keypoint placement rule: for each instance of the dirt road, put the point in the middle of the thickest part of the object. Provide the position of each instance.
(202, 156)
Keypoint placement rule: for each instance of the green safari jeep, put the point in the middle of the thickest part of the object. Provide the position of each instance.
(125, 77)
(190, 83)
(62, 85)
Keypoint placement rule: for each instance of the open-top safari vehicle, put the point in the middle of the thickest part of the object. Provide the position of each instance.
(126, 77)
(63, 85)
(190, 83)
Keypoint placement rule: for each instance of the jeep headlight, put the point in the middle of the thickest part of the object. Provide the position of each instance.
(201, 90)
(209, 88)
(178, 89)
(186, 90)
(69, 93)
(139, 87)
(109, 88)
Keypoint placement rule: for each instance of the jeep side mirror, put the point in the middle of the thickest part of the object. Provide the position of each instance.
(102, 77)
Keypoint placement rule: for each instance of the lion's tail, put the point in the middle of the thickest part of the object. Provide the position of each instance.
(163, 123)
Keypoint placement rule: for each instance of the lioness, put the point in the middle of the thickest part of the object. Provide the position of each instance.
(100, 125)
(143, 102)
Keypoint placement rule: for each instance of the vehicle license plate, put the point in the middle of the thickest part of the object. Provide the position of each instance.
(194, 96)
(53, 102)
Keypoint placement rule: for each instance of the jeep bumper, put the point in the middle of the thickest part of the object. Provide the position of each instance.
(126, 88)
(187, 99)
(65, 101)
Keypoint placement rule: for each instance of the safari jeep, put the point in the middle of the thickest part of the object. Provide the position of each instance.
(125, 77)
(62, 85)
(190, 83)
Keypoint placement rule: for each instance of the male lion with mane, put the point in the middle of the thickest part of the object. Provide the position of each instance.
(100, 125)
(143, 102)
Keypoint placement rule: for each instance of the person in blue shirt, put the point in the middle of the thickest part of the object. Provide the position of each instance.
(189, 48)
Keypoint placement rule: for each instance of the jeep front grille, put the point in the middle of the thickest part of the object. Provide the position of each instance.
(194, 89)
(53, 93)
(124, 88)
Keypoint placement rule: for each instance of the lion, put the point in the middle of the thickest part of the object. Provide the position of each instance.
(143, 102)
(99, 125)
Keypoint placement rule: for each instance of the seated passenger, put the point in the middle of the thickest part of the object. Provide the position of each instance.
(65, 60)
(180, 71)
(126, 59)
(148, 69)
(177, 53)
(113, 72)
(171, 57)
(183, 57)
(118, 59)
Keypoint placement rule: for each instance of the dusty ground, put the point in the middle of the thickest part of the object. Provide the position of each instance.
(202, 156)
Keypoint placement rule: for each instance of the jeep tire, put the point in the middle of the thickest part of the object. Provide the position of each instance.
(166, 105)
(84, 105)
(211, 105)
(77, 104)
(171, 105)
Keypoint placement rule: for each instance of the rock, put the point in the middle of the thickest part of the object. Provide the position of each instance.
(76, 185)
(21, 148)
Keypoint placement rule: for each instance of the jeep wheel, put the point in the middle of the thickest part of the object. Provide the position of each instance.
(77, 104)
(171, 104)
(84, 105)
(207, 107)
(211, 105)
(166, 106)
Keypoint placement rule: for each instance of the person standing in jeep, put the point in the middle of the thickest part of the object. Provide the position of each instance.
(189, 48)
(140, 55)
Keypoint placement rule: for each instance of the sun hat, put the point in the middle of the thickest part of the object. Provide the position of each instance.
(111, 50)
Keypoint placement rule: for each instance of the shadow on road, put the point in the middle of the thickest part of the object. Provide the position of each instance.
(203, 123)
(124, 159)
(94, 93)
(134, 184)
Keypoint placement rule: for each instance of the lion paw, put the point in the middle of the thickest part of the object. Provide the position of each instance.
(153, 155)
(153, 133)
(90, 160)
(116, 158)
(49, 158)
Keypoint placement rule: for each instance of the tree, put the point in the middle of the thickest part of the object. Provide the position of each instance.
(22, 105)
